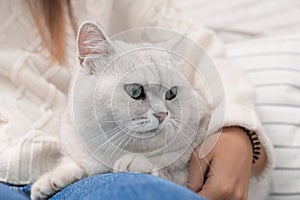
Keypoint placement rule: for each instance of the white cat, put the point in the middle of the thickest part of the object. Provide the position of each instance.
(130, 109)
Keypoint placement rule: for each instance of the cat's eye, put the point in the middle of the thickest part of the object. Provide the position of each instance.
(171, 93)
(135, 90)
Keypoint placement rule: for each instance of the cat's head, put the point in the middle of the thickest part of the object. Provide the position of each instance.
(141, 90)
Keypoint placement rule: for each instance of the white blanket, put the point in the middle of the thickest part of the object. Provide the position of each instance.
(273, 66)
(240, 20)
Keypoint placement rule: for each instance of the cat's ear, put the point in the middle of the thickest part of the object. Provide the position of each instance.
(172, 47)
(174, 44)
(92, 43)
(184, 51)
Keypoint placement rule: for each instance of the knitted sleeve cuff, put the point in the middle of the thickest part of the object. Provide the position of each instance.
(20, 163)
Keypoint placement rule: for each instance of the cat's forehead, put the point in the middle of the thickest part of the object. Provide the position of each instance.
(136, 64)
(155, 74)
(139, 56)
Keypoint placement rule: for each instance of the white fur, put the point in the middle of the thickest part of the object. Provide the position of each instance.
(130, 137)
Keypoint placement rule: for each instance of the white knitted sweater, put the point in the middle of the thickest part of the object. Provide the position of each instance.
(33, 95)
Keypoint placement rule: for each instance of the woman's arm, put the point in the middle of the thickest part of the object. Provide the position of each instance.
(30, 108)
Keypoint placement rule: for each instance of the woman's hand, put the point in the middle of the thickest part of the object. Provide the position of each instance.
(224, 173)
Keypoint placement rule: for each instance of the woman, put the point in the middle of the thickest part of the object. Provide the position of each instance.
(37, 50)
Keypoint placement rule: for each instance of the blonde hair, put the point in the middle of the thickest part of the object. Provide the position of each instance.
(50, 17)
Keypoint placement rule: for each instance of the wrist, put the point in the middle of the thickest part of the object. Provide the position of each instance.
(239, 139)
(238, 134)
(243, 137)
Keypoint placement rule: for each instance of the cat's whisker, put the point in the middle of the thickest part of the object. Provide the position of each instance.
(132, 145)
(178, 121)
(173, 120)
(127, 138)
(193, 148)
(115, 148)
(108, 140)
(177, 129)
(203, 136)
(123, 136)
(111, 139)
(141, 141)
(182, 135)
(185, 139)
(113, 121)
(133, 129)
(164, 151)
(106, 134)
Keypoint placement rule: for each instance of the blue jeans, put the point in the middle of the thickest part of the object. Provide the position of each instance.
(116, 186)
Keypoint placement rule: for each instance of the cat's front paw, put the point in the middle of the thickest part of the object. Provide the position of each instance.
(54, 181)
(45, 187)
(135, 163)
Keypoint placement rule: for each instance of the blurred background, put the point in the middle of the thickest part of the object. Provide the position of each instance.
(239, 20)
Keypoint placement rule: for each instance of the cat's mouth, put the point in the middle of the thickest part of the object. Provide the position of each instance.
(146, 125)
(141, 120)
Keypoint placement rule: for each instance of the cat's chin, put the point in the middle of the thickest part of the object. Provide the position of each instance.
(147, 132)
(150, 132)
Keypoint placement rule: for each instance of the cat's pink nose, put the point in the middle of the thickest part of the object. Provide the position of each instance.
(161, 116)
